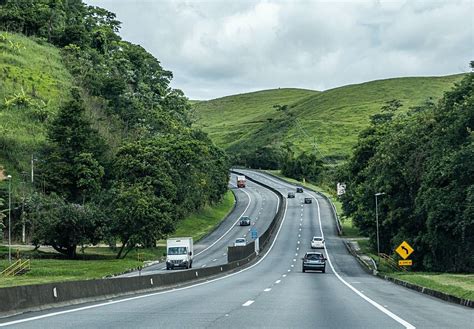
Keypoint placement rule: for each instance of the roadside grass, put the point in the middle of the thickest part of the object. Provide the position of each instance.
(94, 263)
(332, 119)
(97, 262)
(201, 223)
(459, 285)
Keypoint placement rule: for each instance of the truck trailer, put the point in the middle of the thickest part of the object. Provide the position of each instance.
(179, 253)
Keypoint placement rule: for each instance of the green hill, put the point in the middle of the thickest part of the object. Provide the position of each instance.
(329, 120)
(33, 83)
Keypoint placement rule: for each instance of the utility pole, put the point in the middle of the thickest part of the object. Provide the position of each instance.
(377, 222)
(32, 168)
(9, 177)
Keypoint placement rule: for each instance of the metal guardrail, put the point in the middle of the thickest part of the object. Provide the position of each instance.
(392, 263)
(17, 268)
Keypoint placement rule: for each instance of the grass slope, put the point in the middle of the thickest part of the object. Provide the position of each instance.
(34, 73)
(226, 119)
(331, 120)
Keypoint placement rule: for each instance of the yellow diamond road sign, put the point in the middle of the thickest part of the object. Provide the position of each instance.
(404, 250)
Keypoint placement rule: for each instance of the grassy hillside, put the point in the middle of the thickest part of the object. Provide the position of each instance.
(329, 120)
(226, 119)
(33, 83)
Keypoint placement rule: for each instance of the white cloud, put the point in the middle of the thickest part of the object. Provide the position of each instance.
(216, 48)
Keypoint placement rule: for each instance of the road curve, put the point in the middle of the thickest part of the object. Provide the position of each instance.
(273, 292)
(255, 201)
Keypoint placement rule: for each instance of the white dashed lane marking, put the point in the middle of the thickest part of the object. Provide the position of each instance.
(248, 303)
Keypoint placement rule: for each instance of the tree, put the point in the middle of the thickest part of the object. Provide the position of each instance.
(423, 160)
(140, 217)
(71, 161)
(64, 226)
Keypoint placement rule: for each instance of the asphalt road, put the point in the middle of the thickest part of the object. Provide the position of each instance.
(273, 292)
(259, 203)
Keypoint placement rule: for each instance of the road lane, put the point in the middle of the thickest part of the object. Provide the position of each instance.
(282, 296)
(254, 201)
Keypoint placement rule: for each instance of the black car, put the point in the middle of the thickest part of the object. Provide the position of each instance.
(308, 200)
(245, 221)
(291, 195)
(314, 261)
(299, 189)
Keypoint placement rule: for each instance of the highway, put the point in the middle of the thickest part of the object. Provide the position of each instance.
(273, 292)
(259, 203)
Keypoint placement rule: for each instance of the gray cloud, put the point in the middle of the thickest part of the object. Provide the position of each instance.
(216, 48)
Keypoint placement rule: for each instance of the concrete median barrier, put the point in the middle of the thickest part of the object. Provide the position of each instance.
(15, 300)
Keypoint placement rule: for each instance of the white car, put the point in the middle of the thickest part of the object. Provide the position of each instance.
(317, 242)
(240, 242)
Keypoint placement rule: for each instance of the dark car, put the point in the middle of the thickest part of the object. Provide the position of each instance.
(314, 261)
(245, 221)
(291, 195)
(308, 200)
(299, 189)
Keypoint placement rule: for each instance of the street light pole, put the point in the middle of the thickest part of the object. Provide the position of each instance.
(9, 218)
(377, 222)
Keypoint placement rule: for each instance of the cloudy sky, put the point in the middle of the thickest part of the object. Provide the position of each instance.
(217, 48)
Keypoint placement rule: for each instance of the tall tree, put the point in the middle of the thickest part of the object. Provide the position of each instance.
(71, 163)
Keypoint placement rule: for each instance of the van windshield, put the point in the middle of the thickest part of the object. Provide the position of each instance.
(177, 251)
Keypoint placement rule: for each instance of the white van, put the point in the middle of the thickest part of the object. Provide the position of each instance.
(179, 253)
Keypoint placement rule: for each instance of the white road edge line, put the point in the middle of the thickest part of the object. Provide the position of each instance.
(230, 229)
(375, 304)
(367, 299)
(155, 293)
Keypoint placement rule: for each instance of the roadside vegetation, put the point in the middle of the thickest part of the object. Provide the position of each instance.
(47, 265)
(423, 160)
(255, 128)
(459, 285)
(116, 160)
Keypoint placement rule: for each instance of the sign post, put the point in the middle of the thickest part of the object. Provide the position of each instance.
(404, 250)
(254, 235)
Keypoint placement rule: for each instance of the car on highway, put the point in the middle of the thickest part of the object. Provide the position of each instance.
(308, 200)
(240, 242)
(299, 189)
(245, 221)
(291, 195)
(314, 261)
(317, 242)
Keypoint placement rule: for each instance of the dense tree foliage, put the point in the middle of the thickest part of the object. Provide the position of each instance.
(306, 166)
(142, 162)
(424, 161)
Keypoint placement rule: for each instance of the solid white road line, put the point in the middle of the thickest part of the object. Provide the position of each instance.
(248, 303)
(155, 293)
(375, 304)
(230, 229)
(360, 293)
